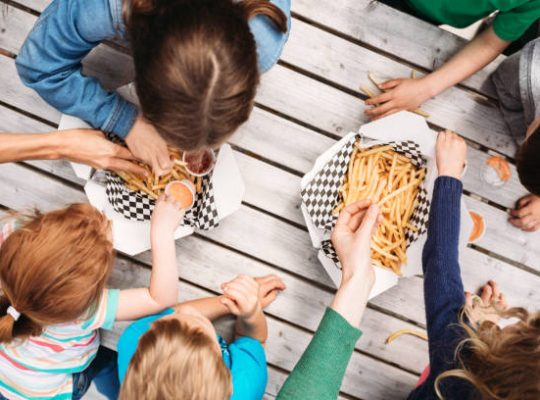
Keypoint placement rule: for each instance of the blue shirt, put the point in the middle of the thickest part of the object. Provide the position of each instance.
(245, 358)
(50, 59)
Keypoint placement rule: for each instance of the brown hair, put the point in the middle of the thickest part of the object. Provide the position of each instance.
(196, 69)
(528, 163)
(176, 361)
(501, 363)
(53, 269)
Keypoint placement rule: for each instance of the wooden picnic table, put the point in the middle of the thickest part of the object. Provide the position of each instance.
(305, 103)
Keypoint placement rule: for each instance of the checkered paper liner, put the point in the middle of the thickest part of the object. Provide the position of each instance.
(138, 206)
(321, 196)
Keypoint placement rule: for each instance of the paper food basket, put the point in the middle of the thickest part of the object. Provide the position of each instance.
(410, 135)
(130, 212)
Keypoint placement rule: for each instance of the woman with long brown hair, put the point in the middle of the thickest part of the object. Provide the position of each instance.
(197, 67)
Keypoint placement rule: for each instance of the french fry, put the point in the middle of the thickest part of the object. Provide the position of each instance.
(390, 180)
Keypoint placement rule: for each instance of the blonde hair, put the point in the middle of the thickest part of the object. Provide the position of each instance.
(175, 361)
(53, 269)
(500, 363)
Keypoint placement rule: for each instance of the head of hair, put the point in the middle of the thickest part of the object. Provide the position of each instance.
(500, 363)
(528, 163)
(183, 363)
(53, 269)
(196, 70)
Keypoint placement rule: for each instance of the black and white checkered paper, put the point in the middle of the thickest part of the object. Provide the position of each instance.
(138, 206)
(321, 196)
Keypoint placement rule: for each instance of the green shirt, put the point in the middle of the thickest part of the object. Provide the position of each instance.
(513, 19)
(319, 373)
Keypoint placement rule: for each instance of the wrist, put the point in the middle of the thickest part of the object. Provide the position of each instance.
(59, 145)
(160, 233)
(450, 173)
(430, 87)
(252, 317)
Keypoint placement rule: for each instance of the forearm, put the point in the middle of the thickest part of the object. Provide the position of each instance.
(351, 299)
(327, 356)
(211, 307)
(478, 53)
(164, 278)
(20, 147)
(254, 327)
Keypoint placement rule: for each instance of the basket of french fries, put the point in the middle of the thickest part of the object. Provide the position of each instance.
(395, 171)
(134, 196)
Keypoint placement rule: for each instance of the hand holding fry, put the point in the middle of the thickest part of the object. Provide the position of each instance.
(241, 296)
(167, 215)
(270, 287)
(451, 154)
(398, 95)
(352, 239)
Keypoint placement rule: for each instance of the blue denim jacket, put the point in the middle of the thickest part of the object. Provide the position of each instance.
(50, 59)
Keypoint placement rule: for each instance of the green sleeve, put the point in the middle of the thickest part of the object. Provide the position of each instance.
(511, 24)
(319, 373)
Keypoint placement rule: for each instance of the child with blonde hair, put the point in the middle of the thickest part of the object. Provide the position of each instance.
(178, 354)
(53, 273)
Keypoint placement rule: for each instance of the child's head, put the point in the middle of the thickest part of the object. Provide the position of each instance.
(53, 269)
(502, 363)
(528, 159)
(196, 65)
(183, 358)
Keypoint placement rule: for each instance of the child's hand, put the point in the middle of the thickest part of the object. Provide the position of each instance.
(242, 296)
(167, 215)
(269, 288)
(451, 154)
(526, 215)
(352, 240)
(147, 145)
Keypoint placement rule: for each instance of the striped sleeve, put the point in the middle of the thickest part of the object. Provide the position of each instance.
(105, 313)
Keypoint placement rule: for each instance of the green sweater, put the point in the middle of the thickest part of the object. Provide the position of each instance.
(513, 19)
(319, 373)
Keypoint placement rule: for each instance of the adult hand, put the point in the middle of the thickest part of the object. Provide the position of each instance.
(269, 288)
(352, 240)
(398, 95)
(148, 146)
(167, 216)
(241, 296)
(451, 156)
(526, 215)
(91, 147)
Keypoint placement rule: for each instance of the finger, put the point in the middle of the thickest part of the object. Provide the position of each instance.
(124, 153)
(380, 99)
(533, 228)
(118, 164)
(486, 294)
(502, 301)
(392, 83)
(528, 222)
(524, 201)
(495, 288)
(370, 221)
(271, 296)
(468, 299)
(246, 285)
(275, 283)
(236, 293)
(521, 212)
(358, 206)
(231, 305)
(386, 114)
(380, 110)
(348, 212)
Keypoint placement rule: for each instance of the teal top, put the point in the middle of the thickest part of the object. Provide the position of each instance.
(327, 355)
(245, 358)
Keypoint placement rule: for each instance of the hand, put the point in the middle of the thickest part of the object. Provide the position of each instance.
(147, 145)
(167, 216)
(241, 296)
(352, 240)
(91, 147)
(526, 215)
(451, 154)
(269, 288)
(399, 95)
(487, 306)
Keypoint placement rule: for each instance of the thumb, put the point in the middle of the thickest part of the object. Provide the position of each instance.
(390, 84)
(231, 305)
(369, 224)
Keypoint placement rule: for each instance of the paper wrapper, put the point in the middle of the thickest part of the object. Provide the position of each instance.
(322, 195)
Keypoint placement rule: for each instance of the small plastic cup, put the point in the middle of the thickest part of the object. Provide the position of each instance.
(182, 191)
(199, 163)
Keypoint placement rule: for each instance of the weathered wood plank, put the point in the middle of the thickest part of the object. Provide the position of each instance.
(394, 32)
(348, 64)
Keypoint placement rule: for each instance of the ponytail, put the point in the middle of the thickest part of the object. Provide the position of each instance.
(11, 328)
(252, 8)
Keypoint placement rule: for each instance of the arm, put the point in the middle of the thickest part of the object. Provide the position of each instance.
(163, 289)
(211, 307)
(78, 145)
(331, 348)
(50, 63)
(408, 94)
